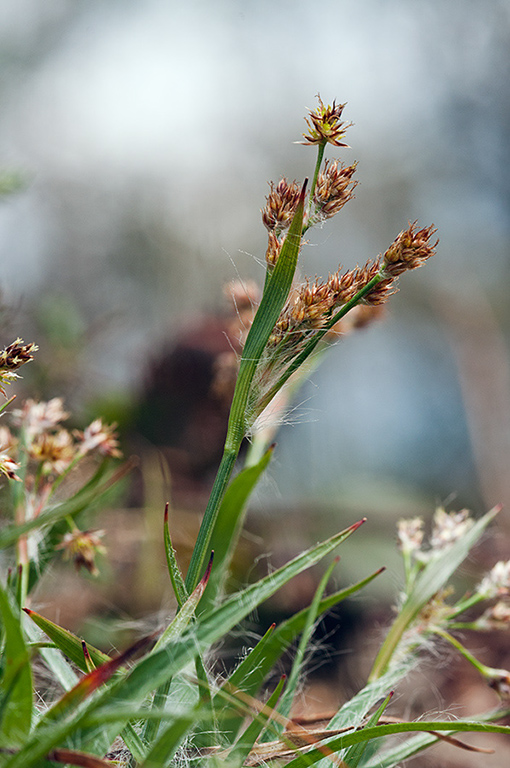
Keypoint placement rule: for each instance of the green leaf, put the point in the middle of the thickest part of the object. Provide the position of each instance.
(337, 743)
(273, 299)
(311, 617)
(162, 752)
(354, 754)
(154, 669)
(16, 682)
(73, 506)
(187, 612)
(70, 645)
(180, 591)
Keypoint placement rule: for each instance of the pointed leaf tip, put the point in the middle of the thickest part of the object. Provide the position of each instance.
(28, 611)
(205, 577)
(356, 525)
(166, 513)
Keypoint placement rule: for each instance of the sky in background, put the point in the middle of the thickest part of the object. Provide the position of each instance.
(146, 132)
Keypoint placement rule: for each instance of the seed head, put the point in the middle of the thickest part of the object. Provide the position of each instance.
(448, 527)
(281, 204)
(499, 680)
(410, 534)
(54, 451)
(36, 417)
(274, 246)
(497, 581)
(16, 355)
(495, 617)
(410, 250)
(333, 190)
(12, 358)
(325, 125)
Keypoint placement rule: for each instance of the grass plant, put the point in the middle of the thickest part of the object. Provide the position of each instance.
(157, 704)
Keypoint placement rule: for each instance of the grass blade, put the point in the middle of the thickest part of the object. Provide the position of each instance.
(16, 680)
(68, 643)
(180, 591)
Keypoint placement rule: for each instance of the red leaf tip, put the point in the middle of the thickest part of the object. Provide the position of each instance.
(205, 577)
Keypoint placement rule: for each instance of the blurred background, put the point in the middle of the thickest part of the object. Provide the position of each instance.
(137, 138)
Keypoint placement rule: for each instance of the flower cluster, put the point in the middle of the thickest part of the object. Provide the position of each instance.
(13, 357)
(317, 306)
(49, 446)
(497, 582)
(325, 125)
(82, 547)
(333, 190)
(447, 528)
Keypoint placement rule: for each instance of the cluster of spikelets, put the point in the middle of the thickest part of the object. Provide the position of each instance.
(318, 307)
(50, 448)
(44, 452)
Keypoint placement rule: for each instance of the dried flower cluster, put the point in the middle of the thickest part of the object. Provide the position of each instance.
(13, 357)
(497, 582)
(47, 452)
(333, 190)
(313, 307)
(53, 448)
(447, 528)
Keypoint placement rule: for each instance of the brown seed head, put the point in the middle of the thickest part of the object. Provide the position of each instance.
(410, 250)
(16, 355)
(333, 190)
(325, 126)
(281, 204)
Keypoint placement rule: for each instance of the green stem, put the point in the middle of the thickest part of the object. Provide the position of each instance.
(320, 154)
(211, 513)
(482, 668)
(393, 638)
(298, 361)
(467, 603)
(274, 297)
